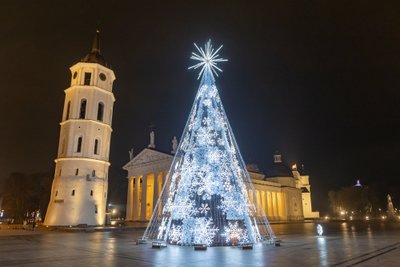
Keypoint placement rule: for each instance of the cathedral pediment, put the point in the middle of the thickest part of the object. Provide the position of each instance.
(147, 156)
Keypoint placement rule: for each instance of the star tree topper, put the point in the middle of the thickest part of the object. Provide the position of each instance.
(208, 59)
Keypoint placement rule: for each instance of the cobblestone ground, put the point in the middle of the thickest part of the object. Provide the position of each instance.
(343, 244)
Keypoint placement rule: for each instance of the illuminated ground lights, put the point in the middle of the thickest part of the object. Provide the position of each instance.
(205, 200)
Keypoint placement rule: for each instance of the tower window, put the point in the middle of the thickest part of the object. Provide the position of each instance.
(95, 209)
(102, 76)
(76, 172)
(73, 192)
(100, 111)
(57, 193)
(82, 111)
(91, 193)
(96, 147)
(88, 76)
(79, 145)
(93, 173)
(68, 109)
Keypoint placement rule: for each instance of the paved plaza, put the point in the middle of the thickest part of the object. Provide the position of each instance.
(343, 244)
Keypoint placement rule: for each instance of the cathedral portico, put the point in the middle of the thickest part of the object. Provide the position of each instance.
(146, 176)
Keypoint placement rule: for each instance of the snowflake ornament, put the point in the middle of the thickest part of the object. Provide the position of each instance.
(204, 208)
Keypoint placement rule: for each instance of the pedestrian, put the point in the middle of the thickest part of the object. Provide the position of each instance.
(33, 225)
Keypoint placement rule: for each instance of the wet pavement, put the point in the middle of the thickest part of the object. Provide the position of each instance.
(343, 244)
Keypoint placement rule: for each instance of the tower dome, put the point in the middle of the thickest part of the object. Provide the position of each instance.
(279, 168)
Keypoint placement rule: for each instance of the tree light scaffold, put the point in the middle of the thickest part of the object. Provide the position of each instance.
(208, 197)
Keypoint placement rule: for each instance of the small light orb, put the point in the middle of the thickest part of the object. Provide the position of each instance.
(320, 230)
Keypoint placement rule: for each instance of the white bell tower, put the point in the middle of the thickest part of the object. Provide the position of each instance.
(79, 190)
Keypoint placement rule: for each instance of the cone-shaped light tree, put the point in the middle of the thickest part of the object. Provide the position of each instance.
(208, 196)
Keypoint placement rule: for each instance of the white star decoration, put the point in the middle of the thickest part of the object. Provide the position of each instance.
(208, 59)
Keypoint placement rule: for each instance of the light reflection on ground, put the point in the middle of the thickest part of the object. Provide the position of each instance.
(342, 244)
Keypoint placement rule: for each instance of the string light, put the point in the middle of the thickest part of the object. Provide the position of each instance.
(206, 197)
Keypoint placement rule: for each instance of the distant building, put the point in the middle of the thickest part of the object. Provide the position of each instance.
(284, 193)
(79, 190)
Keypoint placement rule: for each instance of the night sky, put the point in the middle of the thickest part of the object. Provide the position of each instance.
(316, 80)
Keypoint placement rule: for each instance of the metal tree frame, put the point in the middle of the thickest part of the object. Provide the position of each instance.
(208, 198)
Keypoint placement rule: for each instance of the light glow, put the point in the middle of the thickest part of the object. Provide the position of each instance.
(320, 230)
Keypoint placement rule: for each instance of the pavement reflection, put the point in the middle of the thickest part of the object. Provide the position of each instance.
(342, 244)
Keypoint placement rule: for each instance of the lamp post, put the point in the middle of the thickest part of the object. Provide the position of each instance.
(108, 214)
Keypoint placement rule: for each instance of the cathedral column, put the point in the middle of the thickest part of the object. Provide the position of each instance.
(271, 206)
(282, 207)
(273, 198)
(276, 205)
(266, 203)
(136, 198)
(129, 206)
(164, 177)
(155, 194)
(267, 210)
(263, 205)
(144, 198)
(258, 203)
(161, 182)
(254, 198)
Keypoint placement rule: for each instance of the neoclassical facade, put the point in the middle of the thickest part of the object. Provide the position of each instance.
(284, 193)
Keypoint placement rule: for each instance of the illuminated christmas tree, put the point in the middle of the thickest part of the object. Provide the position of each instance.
(206, 199)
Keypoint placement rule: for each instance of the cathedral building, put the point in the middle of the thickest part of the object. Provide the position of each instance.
(80, 185)
(283, 192)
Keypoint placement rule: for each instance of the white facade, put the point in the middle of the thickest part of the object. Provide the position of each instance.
(80, 185)
(304, 185)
